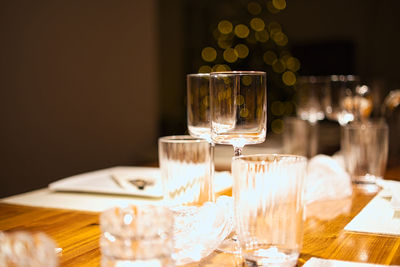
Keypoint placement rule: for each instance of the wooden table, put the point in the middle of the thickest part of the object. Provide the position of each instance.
(77, 233)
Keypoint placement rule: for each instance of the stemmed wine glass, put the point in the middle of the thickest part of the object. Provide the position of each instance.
(347, 99)
(238, 115)
(310, 91)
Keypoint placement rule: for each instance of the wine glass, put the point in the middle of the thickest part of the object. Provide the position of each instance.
(347, 99)
(198, 112)
(310, 91)
(238, 116)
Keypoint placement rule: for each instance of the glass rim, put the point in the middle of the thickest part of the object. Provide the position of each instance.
(181, 139)
(239, 72)
(198, 75)
(372, 123)
(344, 78)
(269, 158)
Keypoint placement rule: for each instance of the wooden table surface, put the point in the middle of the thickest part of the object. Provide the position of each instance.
(77, 233)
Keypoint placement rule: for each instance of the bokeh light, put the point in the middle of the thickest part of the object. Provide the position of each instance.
(242, 50)
(277, 126)
(254, 8)
(241, 31)
(271, 8)
(230, 55)
(293, 64)
(289, 78)
(279, 66)
(244, 112)
(279, 4)
(221, 67)
(204, 69)
(209, 54)
(225, 26)
(269, 57)
(257, 24)
(262, 36)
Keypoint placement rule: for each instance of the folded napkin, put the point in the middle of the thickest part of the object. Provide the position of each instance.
(391, 189)
(317, 262)
(382, 213)
(326, 179)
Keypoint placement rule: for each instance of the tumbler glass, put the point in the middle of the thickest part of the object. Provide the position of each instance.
(365, 150)
(20, 249)
(185, 170)
(268, 195)
(137, 236)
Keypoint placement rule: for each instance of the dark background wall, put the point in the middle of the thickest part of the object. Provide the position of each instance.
(78, 88)
(91, 84)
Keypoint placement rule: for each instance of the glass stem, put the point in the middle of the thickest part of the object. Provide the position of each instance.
(238, 150)
(212, 170)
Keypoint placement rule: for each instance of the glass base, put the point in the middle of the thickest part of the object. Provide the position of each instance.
(366, 183)
(229, 245)
(271, 257)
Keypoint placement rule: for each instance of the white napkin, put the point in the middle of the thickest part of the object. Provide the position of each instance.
(391, 189)
(381, 215)
(317, 262)
(326, 179)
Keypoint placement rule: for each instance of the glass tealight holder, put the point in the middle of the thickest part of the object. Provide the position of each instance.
(137, 236)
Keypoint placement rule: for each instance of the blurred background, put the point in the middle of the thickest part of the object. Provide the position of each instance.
(87, 84)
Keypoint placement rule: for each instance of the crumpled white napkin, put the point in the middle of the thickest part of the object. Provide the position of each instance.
(326, 179)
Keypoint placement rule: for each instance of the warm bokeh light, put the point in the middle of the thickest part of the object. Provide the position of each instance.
(262, 36)
(289, 78)
(271, 8)
(254, 8)
(246, 80)
(242, 50)
(277, 126)
(293, 64)
(239, 100)
(269, 57)
(279, 66)
(274, 27)
(230, 55)
(244, 112)
(225, 26)
(224, 41)
(204, 69)
(209, 54)
(221, 67)
(279, 4)
(257, 24)
(241, 31)
(280, 38)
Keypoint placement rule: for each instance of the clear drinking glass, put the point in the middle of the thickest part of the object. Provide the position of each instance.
(185, 170)
(268, 197)
(310, 92)
(365, 150)
(238, 108)
(137, 236)
(200, 222)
